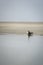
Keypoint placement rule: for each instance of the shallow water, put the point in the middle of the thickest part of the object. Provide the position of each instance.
(21, 50)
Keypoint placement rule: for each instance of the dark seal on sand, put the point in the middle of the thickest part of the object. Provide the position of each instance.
(30, 33)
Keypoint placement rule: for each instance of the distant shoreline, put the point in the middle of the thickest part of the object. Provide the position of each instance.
(24, 22)
(21, 27)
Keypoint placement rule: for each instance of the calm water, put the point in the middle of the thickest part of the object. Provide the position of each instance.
(19, 50)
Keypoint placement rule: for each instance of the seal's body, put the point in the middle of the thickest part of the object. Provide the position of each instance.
(30, 33)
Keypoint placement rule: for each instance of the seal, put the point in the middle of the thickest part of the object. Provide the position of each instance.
(30, 33)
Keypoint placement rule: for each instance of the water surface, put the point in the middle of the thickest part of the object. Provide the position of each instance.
(21, 50)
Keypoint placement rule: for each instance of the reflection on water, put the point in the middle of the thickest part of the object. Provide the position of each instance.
(19, 50)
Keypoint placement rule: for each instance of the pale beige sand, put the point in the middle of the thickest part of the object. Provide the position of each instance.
(21, 28)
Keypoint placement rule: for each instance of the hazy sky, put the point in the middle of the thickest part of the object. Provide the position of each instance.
(21, 10)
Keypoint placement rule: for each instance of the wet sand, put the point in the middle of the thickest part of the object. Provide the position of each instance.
(21, 28)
